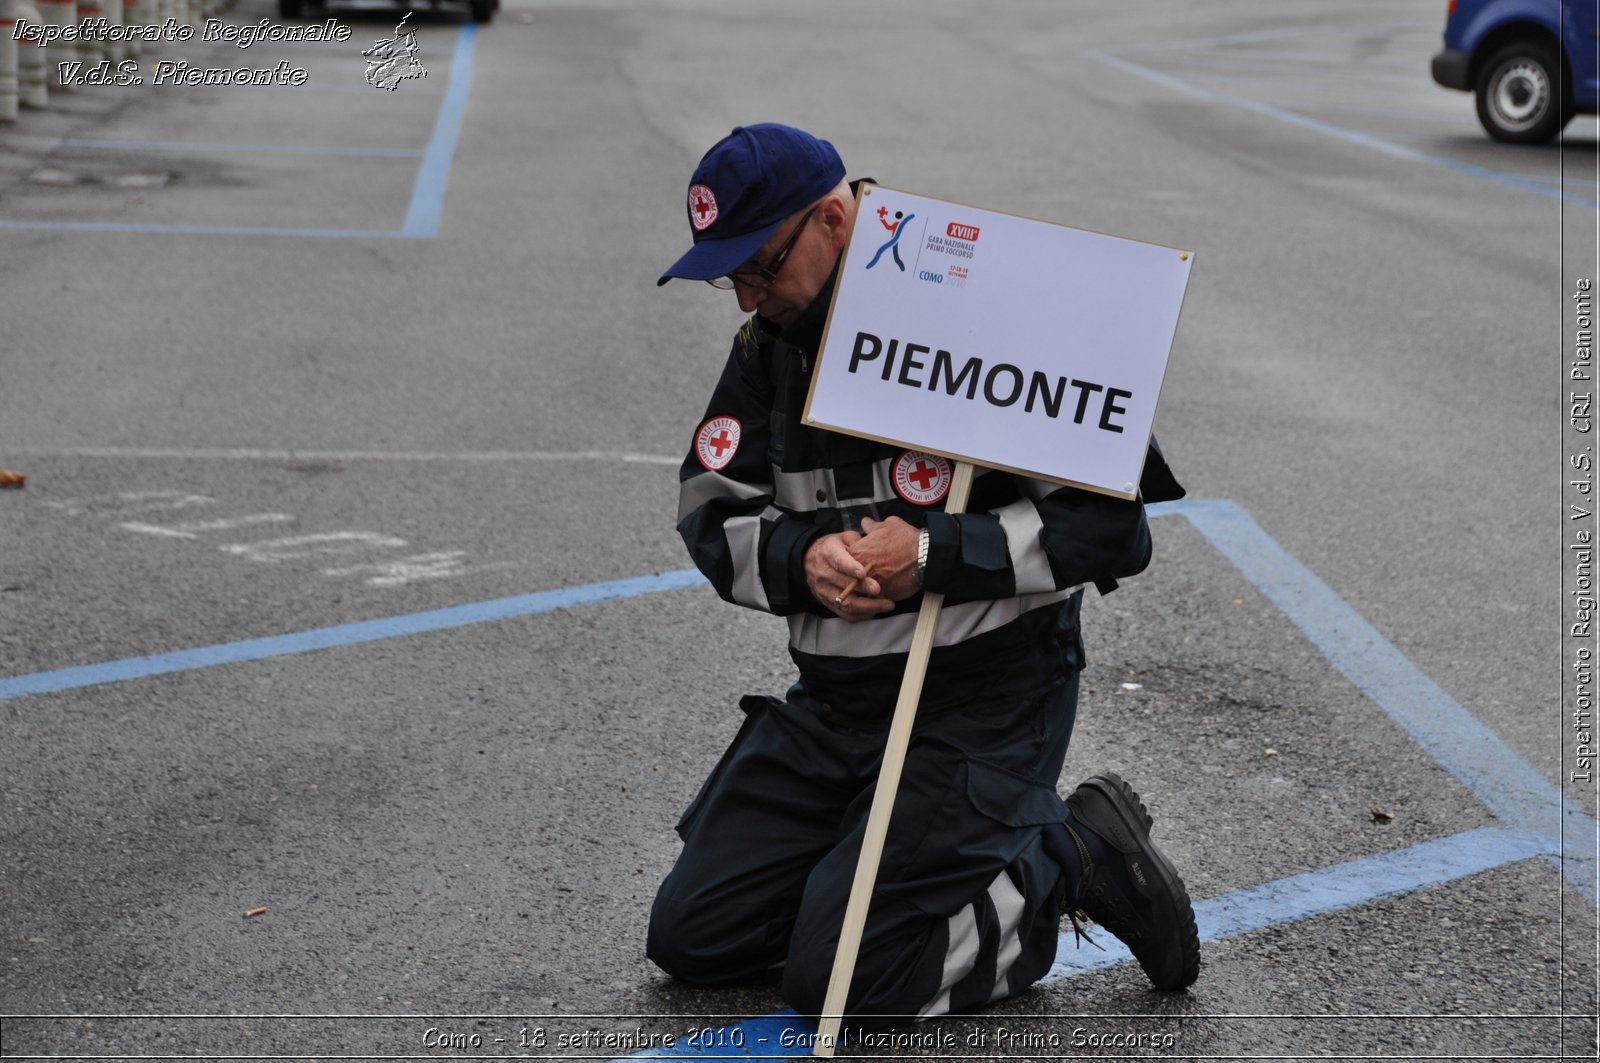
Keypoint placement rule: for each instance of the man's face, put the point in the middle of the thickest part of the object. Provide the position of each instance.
(804, 271)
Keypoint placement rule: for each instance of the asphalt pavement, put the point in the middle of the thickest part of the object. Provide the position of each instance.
(351, 680)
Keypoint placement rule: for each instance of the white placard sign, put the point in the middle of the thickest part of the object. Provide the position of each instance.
(999, 340)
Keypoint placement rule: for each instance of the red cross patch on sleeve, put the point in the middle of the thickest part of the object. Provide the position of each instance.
(717, 442)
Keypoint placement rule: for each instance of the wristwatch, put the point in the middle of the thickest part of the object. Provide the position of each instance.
(922, 556)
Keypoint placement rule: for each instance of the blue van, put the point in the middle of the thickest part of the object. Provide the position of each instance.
(1532, 64)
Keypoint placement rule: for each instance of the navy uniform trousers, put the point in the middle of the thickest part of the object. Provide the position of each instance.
(967, 904)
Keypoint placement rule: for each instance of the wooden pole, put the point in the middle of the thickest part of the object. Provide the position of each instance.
(877, 829)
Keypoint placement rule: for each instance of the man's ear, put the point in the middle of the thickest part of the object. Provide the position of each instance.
(836, 214)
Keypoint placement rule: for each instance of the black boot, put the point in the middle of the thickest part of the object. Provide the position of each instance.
(1116, 877)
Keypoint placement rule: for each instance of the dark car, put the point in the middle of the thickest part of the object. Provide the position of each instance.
(1532, 64)
(481, 10)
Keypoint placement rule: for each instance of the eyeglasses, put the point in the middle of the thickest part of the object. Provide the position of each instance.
(763, 276)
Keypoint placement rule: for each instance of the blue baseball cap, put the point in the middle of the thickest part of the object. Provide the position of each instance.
(747, 184)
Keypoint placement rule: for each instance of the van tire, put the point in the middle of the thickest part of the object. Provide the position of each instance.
(1520, 91)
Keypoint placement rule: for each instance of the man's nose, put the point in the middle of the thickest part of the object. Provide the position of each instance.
(749, 297)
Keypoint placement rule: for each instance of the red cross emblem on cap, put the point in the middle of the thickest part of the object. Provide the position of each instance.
(702, 207)
(717, 442)
(922, 479)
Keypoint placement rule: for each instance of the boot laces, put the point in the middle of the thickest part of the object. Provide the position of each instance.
(1113, 911)
(1080, 932)
(1072, 906)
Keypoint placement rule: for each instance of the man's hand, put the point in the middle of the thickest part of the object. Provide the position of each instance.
(830, 568)
(890, 546)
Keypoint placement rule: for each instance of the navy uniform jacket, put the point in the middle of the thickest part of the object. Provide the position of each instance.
(758, 487)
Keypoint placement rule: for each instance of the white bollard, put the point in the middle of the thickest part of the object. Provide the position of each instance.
(8, 60)
(58, 13)
(111, 11)
(133, 14)
(91, 49)
(31, 90)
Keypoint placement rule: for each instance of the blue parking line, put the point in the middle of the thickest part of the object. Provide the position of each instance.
(1330, 889)
(343, 634)
(1285, 900)
(1507, 785)
(1366, 140)
(427, 195)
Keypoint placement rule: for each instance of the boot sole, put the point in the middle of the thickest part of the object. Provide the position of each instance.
(1121, 819)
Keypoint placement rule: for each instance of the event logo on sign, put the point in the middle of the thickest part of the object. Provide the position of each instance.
(954, 248)
(897, 229)
(922, 479)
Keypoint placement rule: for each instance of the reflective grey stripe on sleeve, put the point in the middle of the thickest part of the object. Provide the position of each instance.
(708, 486)
(832, 637)
(1029, 564)
(744, 549)
(797, 491)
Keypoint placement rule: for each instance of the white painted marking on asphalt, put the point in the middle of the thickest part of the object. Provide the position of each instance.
(395, 572)
(268, 454)
(192, 529)
(168, 498)
(129, 502)
(271, 551)
(147, 501)
(417, 568)
(155, 529)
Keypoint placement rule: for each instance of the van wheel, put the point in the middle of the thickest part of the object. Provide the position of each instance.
(1519, 95)
(483, 10)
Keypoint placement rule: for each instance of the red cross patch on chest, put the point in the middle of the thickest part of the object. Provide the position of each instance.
(922, 479)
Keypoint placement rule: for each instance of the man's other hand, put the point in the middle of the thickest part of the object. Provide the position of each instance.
(890, 547)
(830, 567)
